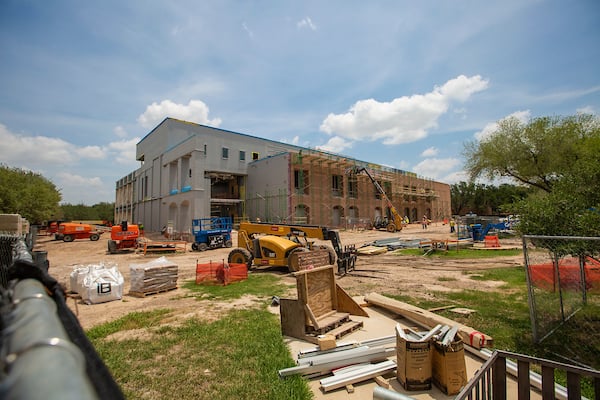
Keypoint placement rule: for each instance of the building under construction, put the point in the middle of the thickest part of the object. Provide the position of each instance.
(191, 171)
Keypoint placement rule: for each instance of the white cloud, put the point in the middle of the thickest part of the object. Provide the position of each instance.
(248, 31)
(306, 23)
(124, 151)
(73, 181)
(336, 145)
(436, 167)
(120, 132)
(586, 110)
(35, 151)
(491, 127)
(405, 119)
(455, 177)
(195, 111)
(430, 152)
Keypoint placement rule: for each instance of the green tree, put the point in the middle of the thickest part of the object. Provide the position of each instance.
(556, 156)
(101, 211)
(28, 194)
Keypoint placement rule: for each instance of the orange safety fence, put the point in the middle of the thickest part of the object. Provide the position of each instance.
(220, 273)
(543, 276)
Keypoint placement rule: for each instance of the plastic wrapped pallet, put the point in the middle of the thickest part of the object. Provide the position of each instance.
(79, 272)
(153, 277)
(100, 285)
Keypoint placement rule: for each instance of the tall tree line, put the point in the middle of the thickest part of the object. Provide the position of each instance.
(37, 199)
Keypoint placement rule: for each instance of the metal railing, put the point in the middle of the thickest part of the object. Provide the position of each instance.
(490, 381)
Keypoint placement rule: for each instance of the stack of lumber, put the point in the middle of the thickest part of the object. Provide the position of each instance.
(156, 276)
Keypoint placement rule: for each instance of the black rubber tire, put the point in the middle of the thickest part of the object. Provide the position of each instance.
(391, 228)
(240, 256)
(228, 243)
(112, 246)
(94, 237)
(195, 246)
(68, 238)
(202, 247)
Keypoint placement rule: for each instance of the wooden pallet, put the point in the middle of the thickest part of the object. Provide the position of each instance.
(150, 293)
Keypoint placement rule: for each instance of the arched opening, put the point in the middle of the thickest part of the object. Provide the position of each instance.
(338, 215)
(301, 214)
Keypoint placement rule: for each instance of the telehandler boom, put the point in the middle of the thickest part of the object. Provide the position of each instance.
(396, 222)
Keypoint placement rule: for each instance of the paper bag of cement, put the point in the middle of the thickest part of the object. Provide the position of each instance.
(102, 285)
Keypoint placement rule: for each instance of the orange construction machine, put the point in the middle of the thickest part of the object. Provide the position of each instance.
(69, 231)
(123, 236)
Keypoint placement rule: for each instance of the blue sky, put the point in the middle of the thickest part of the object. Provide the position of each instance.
(395, 82)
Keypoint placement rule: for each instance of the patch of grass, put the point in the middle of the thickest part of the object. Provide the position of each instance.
(461, 253)
(236, 357)
(260, 285)
(134, 320)
(446, 279)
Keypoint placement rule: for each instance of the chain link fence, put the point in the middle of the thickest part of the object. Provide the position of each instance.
(563, 279)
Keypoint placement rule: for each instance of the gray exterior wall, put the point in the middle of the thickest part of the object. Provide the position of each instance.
(173, 185)
(268, 188)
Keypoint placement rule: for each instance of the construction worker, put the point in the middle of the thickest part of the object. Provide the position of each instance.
(424, 222)
(452, 223)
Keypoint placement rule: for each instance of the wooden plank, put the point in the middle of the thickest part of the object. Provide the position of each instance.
(346, 328)
(319, 293)
(311, 317)
(309, 259)
(151, 292)
(523, 380)
(347, 304)
(292, 318)
(468, 335)
(381, 381)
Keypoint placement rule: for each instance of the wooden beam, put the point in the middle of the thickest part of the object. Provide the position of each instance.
(468, 335)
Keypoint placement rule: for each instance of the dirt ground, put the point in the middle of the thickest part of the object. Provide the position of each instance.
(384, 273)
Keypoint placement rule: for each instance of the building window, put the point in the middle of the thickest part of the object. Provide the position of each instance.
(242, 155)
(337, 185)
(225, 153)
(254, 155)
(352, 187)
(301, 181)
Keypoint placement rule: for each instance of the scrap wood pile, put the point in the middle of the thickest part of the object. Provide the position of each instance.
(153, 277)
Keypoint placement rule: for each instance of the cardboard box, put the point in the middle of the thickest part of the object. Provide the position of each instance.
(413, 369)
(449, 368)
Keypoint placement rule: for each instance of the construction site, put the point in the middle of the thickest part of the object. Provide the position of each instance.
(190, 171)
(325, 189)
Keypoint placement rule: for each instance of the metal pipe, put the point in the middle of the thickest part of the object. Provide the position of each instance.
(357, 375)
(323, 366)
(37, 359)
(380, 393)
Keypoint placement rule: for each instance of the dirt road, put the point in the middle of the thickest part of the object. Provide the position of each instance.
(385, 273)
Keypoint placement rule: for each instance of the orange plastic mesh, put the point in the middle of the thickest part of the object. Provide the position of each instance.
(220, 273)
(543, 276)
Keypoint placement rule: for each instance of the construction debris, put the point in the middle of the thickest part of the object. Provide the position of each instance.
(468, 335)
